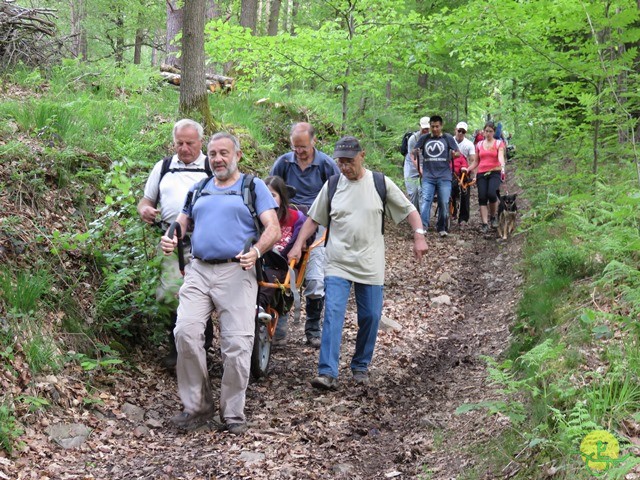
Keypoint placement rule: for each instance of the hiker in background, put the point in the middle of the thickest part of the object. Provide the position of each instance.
(220, 275)
(490, 168)
(306, 169)
(355, 255)
(435, 152)
(460, 165)
(499, 135)
(411, 174)
(168, 184)
(478, 136)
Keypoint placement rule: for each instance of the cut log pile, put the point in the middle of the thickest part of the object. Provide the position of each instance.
(25, 33)
(215, 83)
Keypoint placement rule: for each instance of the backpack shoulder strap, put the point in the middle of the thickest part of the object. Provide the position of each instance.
(166, 164)
(249, 198)
(332, 185)
(193, 196)
(381, 188)
(207, 167)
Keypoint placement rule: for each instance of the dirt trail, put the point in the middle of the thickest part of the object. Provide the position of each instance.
(401, 426)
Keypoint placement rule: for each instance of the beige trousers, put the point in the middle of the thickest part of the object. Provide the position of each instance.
(233, 292)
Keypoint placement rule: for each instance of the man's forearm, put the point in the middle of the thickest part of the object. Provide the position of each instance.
(414, 220)
(268, 239)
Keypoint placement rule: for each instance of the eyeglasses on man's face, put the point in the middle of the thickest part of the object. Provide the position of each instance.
(300, 148)
(462, 130)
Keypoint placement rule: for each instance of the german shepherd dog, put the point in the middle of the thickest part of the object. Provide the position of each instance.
(507, 215)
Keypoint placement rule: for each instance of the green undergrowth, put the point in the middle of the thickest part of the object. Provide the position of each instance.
(572, 367)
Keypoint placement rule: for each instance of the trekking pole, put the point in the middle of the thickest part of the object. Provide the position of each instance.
(417, 154)
(177, 229)
(247, 246)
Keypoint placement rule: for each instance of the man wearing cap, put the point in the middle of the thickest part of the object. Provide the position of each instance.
(355, 256)
(411, 173)
(437, 150)
(467, 157)
(306, 169)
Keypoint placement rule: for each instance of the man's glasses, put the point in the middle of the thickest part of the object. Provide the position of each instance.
(299, 148)
(461, 130)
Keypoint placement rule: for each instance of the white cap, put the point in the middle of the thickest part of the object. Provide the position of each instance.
(463, 126)
(424, 122)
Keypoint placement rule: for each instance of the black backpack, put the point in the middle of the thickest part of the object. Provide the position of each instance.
(404, 146)
(381, 188)
(166, 164)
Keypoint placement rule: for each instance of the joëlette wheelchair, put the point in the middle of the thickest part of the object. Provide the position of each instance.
(286, 295)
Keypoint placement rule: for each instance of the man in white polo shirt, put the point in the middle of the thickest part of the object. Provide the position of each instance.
(167, 185)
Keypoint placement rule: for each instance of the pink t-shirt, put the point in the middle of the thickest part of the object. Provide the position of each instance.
(289, 229)
(488, 159)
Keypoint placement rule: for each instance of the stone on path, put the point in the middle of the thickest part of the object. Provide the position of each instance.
(387, 324)
(441, 300)
(133, 412)
(68, 435)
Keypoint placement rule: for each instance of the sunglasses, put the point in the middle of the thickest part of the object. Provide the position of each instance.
(461, 130)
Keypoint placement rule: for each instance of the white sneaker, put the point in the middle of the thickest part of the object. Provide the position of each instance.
(264, 316)
(443, 233)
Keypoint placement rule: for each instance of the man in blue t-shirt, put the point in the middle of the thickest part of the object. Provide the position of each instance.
(437, 150)
(220, 275)
(307, 169)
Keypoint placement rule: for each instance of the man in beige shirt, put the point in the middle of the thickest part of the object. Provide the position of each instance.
(354, 255)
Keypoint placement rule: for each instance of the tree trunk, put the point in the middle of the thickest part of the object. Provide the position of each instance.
(119, 53)
(274, 17)
(78, 32)
(596, 131)
(292, 16)
(194, 101)
(249, 14)
(174, 26)
(388, 86)
(137, 48)
(423, 80)
(154, 51)
(347, 73)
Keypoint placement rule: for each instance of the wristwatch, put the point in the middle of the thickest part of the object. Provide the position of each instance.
(421, 231)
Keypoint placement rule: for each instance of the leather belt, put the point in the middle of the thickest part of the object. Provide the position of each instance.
(216, 261)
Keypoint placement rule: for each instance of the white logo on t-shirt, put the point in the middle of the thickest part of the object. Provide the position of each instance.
(434, 148)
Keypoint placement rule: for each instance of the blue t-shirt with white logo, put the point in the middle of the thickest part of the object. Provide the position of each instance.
(436, 155)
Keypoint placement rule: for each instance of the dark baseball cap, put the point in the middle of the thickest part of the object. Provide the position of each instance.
(347, 147)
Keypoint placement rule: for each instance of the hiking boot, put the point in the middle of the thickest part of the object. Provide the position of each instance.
(312, 325)
(443, 233)
(494, 222)
(189, 421)
(361, 377)
(484, 228)
(325, 382)
(314, 342)
(170, 360)
(237, 428)
(279, 342)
